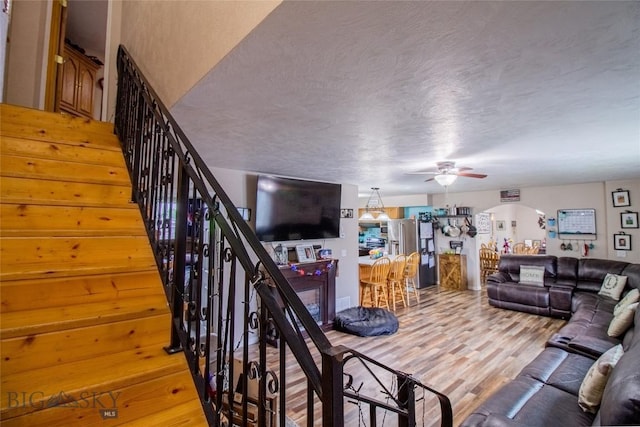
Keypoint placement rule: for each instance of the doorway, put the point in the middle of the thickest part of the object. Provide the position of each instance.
(515, 223)
(78, 32)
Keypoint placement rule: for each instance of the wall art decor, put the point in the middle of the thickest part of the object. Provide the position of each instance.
(622, 242)
(621, 198)
(629, 219)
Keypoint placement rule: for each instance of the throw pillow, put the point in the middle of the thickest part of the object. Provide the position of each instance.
(630, 298)
(593, 384)
(620, 323)
(532, 275)
(612, 286)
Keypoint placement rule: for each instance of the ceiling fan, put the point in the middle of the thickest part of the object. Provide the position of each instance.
(446, 173)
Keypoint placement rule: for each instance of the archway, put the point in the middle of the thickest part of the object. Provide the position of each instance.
(516, 223)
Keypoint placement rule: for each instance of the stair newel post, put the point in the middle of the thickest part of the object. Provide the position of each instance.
(332, 397)
(407, 399)
(179, 258)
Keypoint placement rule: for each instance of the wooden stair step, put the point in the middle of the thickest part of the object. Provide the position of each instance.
(53, 134)
(19, 114)
(44, 126)
(32, 294)
(56, 170)
(28, 220)
(98, 374)
(30, 352)
(60, 151)
(166, 400)
(31, 257)
(60, 193)
(44, 320)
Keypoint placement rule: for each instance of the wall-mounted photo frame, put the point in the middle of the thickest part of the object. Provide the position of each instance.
(346, 213)
(621, 198)
(629, 219)
(622, 242)
(305, 253)
(500, 225)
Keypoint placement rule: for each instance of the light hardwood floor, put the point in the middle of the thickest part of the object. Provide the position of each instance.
(453, 341)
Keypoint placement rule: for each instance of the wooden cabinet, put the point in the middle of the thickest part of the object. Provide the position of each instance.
(453, 272)
(78, 83)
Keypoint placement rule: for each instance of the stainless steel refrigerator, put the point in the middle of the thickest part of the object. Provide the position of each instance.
(413, 235)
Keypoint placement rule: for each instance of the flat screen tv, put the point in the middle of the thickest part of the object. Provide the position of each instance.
(294, 209)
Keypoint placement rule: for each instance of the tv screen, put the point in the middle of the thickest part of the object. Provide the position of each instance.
(294, 209)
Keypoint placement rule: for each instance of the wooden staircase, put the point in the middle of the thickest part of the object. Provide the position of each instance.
(84, 317)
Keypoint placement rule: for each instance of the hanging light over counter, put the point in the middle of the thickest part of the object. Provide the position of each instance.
(374, 205)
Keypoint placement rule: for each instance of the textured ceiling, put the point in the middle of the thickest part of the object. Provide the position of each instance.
(530, 93)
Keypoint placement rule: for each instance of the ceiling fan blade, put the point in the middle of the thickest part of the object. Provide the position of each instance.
(430, 179)
(471, 175)
(463, 168)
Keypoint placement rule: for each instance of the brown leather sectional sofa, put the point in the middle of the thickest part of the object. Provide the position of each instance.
(545, 392)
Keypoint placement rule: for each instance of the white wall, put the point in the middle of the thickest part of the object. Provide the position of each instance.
(26, 50)
(241, 187)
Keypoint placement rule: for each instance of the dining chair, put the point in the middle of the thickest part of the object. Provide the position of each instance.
(519, 248)
(376, 284)
(489, 260)
(396, 280)
(411, 274)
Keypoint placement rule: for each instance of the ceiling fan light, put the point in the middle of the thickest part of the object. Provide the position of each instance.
(445, 179)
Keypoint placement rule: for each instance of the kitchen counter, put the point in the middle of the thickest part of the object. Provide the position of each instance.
(366, 260)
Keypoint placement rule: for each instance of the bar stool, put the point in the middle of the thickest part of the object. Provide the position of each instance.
(376, 284)
(410, 274)
(396, 280)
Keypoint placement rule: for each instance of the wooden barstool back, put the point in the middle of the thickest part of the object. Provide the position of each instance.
(489, 260)
(519, 248)
(411, 274)
(376, 284)
(396, 280)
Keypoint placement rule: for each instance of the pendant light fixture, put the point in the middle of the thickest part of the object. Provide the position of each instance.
(374, 205)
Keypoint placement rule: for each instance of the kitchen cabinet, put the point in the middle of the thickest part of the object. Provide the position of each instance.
(78, 83)
(452, 270)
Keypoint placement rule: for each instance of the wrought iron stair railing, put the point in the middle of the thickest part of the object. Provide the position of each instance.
(227, 295)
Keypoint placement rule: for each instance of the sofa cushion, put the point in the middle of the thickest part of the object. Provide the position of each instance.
(559, 368)
(612, 286)
(591, 272)
(621, 398)
(594, 382)
(510, 265)
(632, 271)
(622, 321)
(567, 271)
(532, 275)
(586, 332)
(526, 401)
(631, 297)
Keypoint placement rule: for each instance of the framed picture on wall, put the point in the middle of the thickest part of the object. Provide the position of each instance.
(620, 198)
(622, 242)
(629, 219)
(500, 225)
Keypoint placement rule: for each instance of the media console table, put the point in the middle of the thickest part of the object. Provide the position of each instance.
(315, 284)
